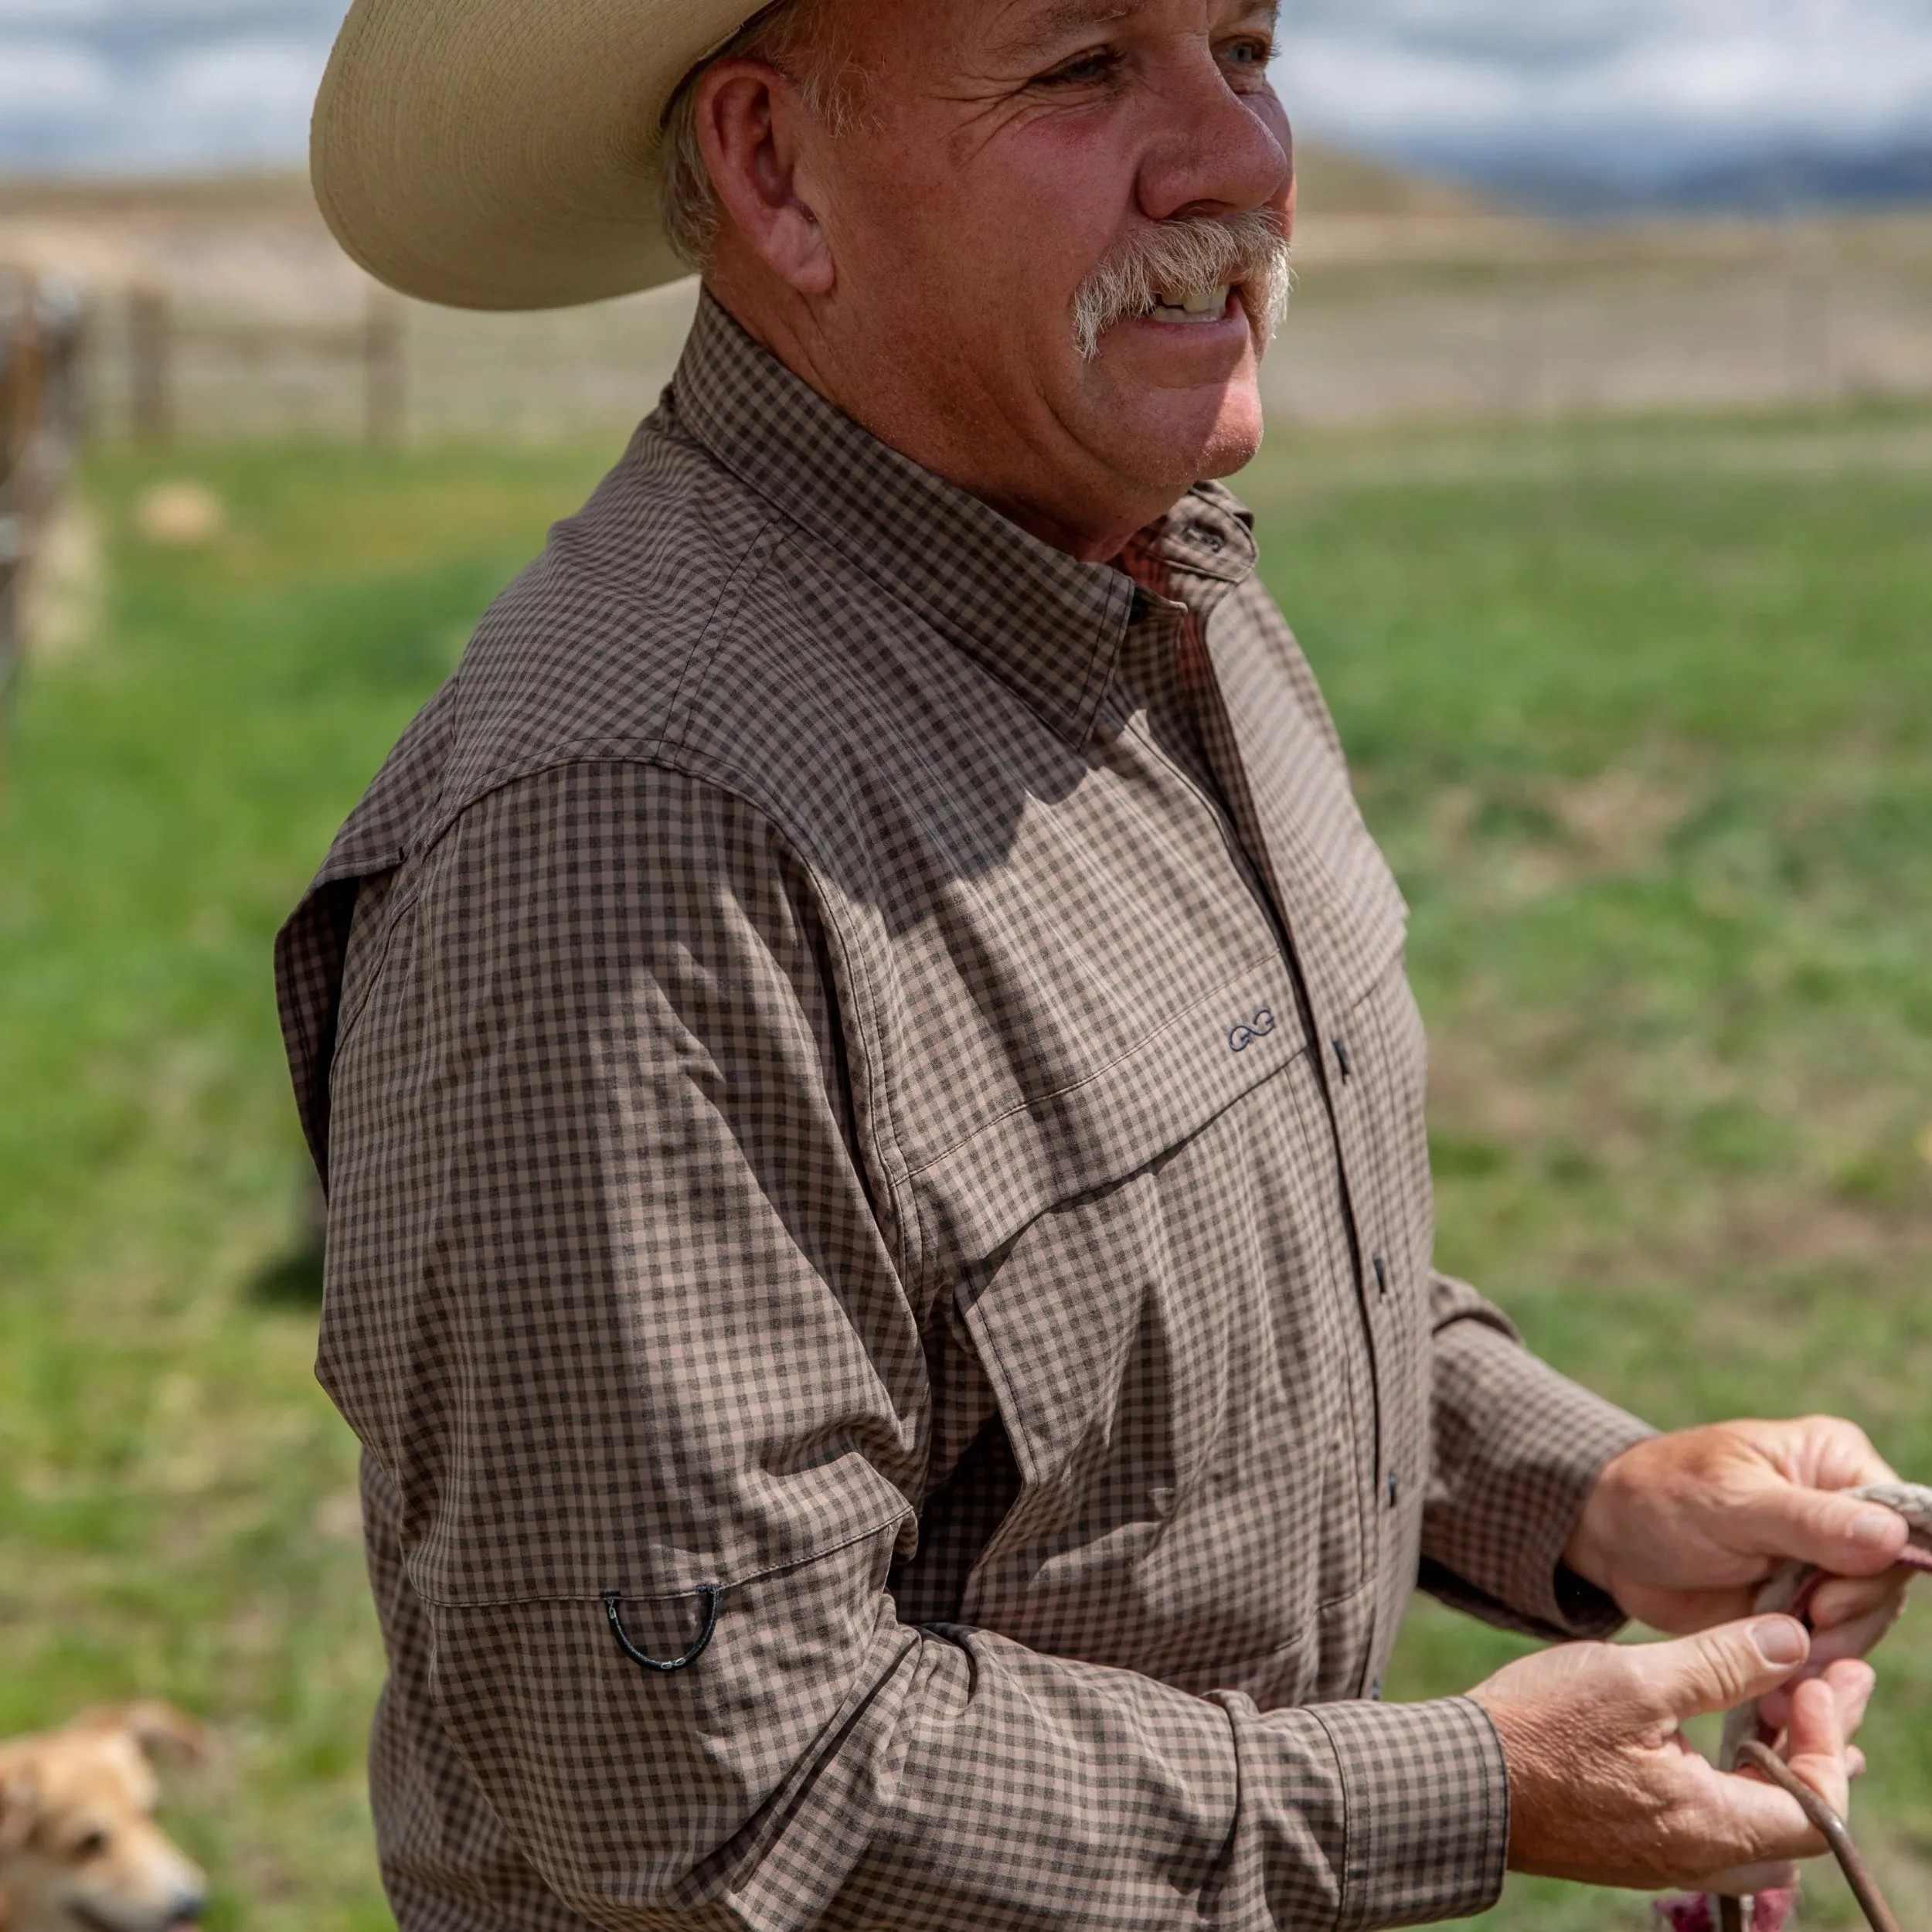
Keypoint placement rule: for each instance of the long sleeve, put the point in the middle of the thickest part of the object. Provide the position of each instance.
(1517, 1448)
(612, 1302)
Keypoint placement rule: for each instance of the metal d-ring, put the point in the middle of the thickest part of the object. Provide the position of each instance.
(613, 1609)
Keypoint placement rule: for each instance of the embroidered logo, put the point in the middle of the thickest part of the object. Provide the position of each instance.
(1244, 1035)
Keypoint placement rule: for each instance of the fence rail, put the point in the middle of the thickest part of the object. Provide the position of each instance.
(1473, 317)
(161, 341)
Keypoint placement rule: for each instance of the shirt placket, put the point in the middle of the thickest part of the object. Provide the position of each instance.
(1290, 900)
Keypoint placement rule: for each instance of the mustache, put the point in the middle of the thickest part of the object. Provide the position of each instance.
(1196, 251)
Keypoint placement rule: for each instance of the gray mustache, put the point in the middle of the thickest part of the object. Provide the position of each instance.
(1195, 252)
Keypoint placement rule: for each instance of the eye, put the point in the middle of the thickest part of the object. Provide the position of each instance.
(1083, 70)
(90, 1844)
(1253, 55)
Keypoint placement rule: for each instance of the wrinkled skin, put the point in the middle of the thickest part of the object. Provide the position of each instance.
(919, 269)
(1603, 1786)
(1681, 1531)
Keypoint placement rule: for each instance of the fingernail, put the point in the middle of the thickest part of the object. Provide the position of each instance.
(1779, 1640)
(1872, 1528)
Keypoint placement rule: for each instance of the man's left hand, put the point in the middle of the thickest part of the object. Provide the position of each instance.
(1682, 1529)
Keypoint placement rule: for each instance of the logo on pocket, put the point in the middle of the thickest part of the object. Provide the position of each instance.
(1244, 1035)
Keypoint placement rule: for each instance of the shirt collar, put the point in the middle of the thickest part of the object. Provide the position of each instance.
(1047, 625)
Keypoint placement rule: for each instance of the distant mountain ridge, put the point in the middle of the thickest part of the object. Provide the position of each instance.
(1786, 180)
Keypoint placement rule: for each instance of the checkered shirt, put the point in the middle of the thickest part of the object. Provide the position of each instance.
(868, 1089)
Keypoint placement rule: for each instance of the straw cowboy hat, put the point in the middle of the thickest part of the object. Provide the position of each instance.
(497, 154)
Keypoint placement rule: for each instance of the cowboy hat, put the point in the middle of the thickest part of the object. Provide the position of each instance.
(498, 154)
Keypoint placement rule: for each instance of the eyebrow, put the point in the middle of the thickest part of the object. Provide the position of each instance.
(1067, 18)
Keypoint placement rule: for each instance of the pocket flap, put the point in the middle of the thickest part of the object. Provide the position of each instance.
(972, 1199)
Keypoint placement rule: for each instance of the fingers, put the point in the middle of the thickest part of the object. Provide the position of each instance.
(1872, 1602)
(1745, 1881)
(1818, 1733)
(1739, 1822)
(1719, 1669)
(1851, 1681)
(1847, 1538)
(1821, 1452)
(1679, 1612)
(1602, 1786)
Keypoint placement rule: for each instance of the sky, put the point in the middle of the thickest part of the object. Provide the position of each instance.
(1629, 86)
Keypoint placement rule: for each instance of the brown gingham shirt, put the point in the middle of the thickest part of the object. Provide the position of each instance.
(867, 1085)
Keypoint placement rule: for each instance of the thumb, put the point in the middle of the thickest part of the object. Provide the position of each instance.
(1836, 1532)
(1719, 1669)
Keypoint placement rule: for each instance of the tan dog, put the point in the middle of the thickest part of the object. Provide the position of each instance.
(79, 1849)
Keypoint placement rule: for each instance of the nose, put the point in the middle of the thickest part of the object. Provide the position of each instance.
(1214, 150)
(186, 1906)
(187, 1899)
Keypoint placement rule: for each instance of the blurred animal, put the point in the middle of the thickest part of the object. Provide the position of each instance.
(80, 1851)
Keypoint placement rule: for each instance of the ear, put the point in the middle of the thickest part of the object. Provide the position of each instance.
(165, 1734)
(755, 133)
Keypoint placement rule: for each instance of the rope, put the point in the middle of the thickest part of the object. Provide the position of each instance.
(1790, 1593)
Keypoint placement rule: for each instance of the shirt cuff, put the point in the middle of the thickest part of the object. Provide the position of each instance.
(1519, 1448)
(1425, 1805)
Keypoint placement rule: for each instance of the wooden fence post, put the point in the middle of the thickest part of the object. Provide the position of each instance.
(20, 420)
(383, 361)
(151, 356)
(23, 390)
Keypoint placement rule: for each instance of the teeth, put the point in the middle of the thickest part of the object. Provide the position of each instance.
(1194, 304)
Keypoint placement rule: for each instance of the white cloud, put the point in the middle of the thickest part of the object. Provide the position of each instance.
(1588, 79)
(164, 83)
(196, 84)
(51, 78)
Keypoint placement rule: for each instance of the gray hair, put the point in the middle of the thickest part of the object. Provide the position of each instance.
(1196, 251)
(801, 40)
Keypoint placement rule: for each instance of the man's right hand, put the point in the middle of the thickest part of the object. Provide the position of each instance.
(1604, 1788)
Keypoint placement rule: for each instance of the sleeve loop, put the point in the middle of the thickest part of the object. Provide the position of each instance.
(613, 1609)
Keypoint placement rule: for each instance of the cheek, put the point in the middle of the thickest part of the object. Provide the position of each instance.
(1034, 205)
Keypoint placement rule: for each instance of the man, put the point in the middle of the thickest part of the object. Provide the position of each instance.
(879, 1239)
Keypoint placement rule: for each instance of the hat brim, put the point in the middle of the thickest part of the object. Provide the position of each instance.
(498, 154)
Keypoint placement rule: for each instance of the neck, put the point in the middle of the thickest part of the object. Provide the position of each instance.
(1090, 525)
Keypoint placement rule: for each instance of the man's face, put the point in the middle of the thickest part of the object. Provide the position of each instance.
(1009, 146)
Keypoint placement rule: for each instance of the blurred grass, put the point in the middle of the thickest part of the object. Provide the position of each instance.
(1643, 714)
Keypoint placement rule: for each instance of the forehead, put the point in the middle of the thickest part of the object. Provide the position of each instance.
(105, 1767)
(1019, 26)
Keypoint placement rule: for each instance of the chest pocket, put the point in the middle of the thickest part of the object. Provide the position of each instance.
(1152, 1270)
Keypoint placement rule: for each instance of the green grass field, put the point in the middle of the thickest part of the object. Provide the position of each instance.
(1643, 713)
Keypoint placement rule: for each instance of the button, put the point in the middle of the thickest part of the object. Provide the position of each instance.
(1342, 1059)
(1375, 1692)
(1381, 1275)
(1208, 539)
(1393, 1488)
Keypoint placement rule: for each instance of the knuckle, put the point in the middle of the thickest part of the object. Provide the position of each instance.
(1728, 1669)
(1623, 1676)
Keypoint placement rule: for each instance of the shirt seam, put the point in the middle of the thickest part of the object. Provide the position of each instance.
(750, 566)
(679, 761)
(858, 1536)
(1345, 1890)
